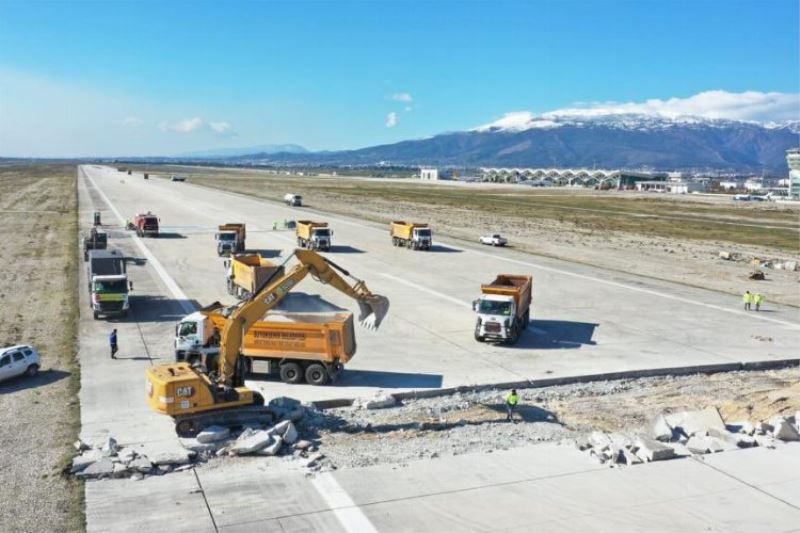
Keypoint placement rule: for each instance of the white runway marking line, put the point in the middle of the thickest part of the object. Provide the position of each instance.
(176, 291)
(346, 511)
(446, 297)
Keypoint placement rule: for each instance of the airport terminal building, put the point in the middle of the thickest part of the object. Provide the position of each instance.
(793, 160)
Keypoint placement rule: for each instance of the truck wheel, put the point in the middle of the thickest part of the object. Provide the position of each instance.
(291, 373)
(479, 338)
(186, 429)
(32, 370)
(96, 315)
(316, 374)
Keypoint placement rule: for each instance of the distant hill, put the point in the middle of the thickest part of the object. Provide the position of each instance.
(233, 152)
(621, 141)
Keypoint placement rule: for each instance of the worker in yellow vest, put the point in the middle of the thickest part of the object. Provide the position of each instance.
(747, 299)
(758, 299)
(511, 404)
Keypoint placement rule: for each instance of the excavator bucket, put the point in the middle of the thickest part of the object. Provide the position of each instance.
(372, 310)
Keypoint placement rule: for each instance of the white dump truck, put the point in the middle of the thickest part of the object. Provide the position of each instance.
(292, 199)
(503, 309)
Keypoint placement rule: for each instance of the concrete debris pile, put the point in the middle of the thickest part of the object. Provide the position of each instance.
(108, 459)
(684, 434)
(774, 263)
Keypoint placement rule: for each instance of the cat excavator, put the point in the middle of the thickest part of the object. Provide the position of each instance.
(213, 392)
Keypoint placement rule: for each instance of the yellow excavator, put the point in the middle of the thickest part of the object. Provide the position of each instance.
(213, 392)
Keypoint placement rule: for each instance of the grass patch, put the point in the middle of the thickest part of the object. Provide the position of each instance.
(659, 216)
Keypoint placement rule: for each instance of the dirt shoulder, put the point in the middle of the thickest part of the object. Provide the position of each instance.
(659, 236)
(39, 416)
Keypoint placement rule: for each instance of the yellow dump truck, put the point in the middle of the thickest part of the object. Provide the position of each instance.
(504, 308)
(298, 346)
(246, 272)
(412, 235)
(314, 235)
(230, 238)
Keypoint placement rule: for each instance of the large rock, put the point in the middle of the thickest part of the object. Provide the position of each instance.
(729, 441)
(273, 448)
(697, 422)
(380, 402)
(660, 429)
(700, 444)
(626, 457)
(109, 447)
(141, 464)
(251, 442)
(784, 430)
(213, 434)
(171, 457)
(291, 435)
(82, 461)
(599, 440)
(648, 449)
(741, 427)
(199, 447)
(101, 468)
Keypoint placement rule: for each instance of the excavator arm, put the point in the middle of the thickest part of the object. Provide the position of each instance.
(373, 308)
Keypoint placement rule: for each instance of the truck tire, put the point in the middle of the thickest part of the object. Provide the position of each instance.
(291, 372)
(479, 338)
(96, 315)
(316, 374)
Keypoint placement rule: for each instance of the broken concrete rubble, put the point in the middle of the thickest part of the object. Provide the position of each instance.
(213, 434)
(380, 402)
(101, 468)
(273, 448)
(660, 429)
(251, 441)
(648, 449)
(784, 430)
(691, 422)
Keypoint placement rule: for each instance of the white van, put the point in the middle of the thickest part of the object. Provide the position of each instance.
(18, 360)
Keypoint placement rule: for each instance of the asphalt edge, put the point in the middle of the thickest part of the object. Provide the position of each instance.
(776, 364)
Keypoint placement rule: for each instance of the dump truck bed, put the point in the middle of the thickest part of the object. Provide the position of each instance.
(516, 286)
(306, 227)
(405, 230)
(250, 270)
(238, 228)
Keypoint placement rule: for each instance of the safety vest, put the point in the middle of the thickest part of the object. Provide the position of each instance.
(747, 298)
(512, 399)
(759, 298)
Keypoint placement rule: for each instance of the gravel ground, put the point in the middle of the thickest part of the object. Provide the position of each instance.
(39, 415)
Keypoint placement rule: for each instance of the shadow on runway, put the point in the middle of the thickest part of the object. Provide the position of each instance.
(345, 249)
(558, 335)
(44, 377)
(137, 358)
(151, 308)
(264, 252)
(170, 235)
(524, 413)
(388, 380)
(444, 249)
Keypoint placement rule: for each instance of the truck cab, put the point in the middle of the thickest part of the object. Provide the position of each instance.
(230, 238)
(109, 295)
(423, 238)
(146, 224)
(193, 336)
(321, 238)
(496, 315)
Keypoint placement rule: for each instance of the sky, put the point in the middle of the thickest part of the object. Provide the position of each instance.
(86, 78)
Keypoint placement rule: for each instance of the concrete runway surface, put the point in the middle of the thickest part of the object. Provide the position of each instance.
(585, 320)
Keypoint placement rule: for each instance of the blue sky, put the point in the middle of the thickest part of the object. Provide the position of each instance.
(158, 78)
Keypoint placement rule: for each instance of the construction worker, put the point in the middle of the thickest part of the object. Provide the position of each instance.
(758, 299)
(511, 404)
(274, 225)
(747, 299)
(112, 340)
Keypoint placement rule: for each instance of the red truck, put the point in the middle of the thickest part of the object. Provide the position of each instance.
(146, 224)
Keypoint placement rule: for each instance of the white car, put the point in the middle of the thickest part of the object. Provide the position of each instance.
(175, 177)
(494, 239)
(18, 360)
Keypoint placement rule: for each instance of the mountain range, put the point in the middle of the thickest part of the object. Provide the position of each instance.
(620, 141)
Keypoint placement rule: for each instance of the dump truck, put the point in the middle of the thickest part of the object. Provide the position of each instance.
(214, 392)
(503, 309)
(230, 238)
(294, 200)
(107, 278)
(313, 235)
(297, 346)
(246, 272)
(412, 235)
(146, 224)
(94, 240)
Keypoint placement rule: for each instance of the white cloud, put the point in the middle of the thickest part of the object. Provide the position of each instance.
(186, 125)
(132, 121)
(408, 109)
(402, 97)
(223, 128)
(391, 120)
(753, 106)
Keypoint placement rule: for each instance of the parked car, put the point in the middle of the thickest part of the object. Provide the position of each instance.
(741, 198)
(175, 177)
(18, 360)
(494, 239)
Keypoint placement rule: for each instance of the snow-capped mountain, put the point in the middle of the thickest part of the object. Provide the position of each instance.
(631, 141)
